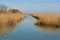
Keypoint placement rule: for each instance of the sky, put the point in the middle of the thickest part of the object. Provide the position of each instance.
(34, 6)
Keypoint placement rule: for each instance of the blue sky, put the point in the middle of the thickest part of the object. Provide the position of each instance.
(34, 6)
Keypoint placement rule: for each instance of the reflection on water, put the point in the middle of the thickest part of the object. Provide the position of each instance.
(4, 29)
(7, 28)
(48, 28)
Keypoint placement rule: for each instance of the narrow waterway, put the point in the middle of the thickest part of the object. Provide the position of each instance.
(28, 31)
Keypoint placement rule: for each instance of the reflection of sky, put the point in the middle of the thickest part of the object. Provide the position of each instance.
(34, 5)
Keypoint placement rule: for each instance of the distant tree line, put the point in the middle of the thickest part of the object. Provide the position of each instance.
(14, 10)
(4, 8)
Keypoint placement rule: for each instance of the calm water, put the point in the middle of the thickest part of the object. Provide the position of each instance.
(28, 31)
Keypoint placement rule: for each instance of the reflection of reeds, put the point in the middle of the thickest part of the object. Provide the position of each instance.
(48, 27)
(59, 22)
(9, 21)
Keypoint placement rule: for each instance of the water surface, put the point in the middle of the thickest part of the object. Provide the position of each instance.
(28, 31)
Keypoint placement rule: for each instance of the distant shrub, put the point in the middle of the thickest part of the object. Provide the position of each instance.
(14, 10)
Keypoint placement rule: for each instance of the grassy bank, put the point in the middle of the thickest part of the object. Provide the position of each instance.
(51, 19)
(9, 21)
